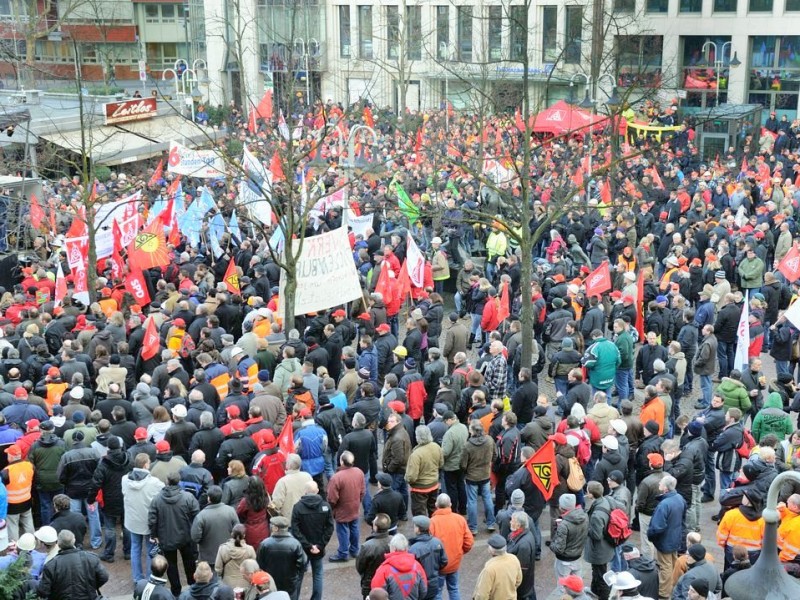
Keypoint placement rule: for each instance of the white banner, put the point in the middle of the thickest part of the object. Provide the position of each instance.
(326, 273)
(743, 332)
(792, 314)
(126, 213)
(361, 224)
(415, 262)
(205, 164)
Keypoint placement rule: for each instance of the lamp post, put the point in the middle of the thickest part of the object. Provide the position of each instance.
(351, 165)
(767, 578)
(719, 60)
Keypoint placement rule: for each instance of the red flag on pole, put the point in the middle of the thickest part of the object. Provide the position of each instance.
(543, 469)
(117, 264)
(577, 178)
(264, 109)
(640, 307)
(605, 193)
(598, 281)
(286, 437)
(251, 121)
(166, 215)
(657, 178)
(232, 278)
(61, 286)
(403, 283)
(149, 248)
(157, 174)
(275, 168)
(790, 265)
(418, 142)
(151, 343)
(368, 118)
(37, 213)
(137, 286)
(382, 286)
(505, 303)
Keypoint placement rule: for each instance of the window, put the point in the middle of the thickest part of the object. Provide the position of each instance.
(443, 33)
(760, 6)
(624, 5)
(704, 74)
(5, 7)
(167, 13)
(725, 6)
(639, 60)
(656, 6)
(774, 75)
(344, 31)
(54, 52)
(151, 13)
(392, 32)
(792, 5)
(413, 32)
(161, 13)
(365, 31)
(161, 55)
(495, 33)
(549, 33)
(519, 32)
(464, 33)
(572, 34)
(690, 6)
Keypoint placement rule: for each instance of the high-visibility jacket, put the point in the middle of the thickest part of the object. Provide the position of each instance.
(247, 369)
(737, 530)
(20, 482)
(219, 377)
(789, 535)
(262, 327)
(54, 392)
(109, 306)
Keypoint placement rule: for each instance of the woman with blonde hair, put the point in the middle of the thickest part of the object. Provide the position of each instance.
(235, 485)
(230, 557)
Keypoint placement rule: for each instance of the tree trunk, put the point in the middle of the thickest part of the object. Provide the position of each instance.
(526, 274)
(91, 270)
(289, 292)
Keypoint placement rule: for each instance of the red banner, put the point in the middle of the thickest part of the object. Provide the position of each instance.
(137, 286)
(286, 437)
(543, 469)
(232, 278)
(151, 343)
(598, 281)
(790, 265)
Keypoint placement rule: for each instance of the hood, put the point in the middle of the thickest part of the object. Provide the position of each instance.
(172, 493)
(729, 384)
(750, 513)
(679, 356)
(613, 457)
(402, 561)
(478, 441)
(642, 564)
(48, 440)
(313, 501)
(117, 458)
(774, 400)
(103, 335)
(137, 478)
(545, 423)
(199, 591)
(577, 516)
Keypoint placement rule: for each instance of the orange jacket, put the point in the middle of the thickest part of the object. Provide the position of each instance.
(654, 410)
(451, 529)
(737, 530)
(20, 482)
(788, 534)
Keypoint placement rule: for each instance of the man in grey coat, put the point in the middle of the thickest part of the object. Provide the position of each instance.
(598, 551)
(213, 525)
(698, 568)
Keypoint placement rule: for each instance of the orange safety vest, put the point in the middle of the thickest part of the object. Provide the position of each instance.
(20, 482)
(252, 375)
(54, 393)
(789, 535)
(664, 284)
(262, 327)
(736, 530)
(220, 383)
(109, 306)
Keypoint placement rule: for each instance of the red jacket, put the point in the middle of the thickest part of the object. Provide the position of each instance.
(345, 492)
(491, 314)
(452, 530)
(401, 576)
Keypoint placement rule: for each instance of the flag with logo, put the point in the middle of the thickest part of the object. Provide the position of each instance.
(151, 342)
(286, 437)
(61, 286)
(598, 281)
(743, 333)
(232, 278)
(543, 469)
(149, 248)
(135, 283)
(415, 262)
(790, 265)
(406, 206)
(117, 264)
(158, 174)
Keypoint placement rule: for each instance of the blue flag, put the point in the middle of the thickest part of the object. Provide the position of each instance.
(233, 227)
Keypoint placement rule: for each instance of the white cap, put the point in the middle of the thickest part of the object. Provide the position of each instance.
(26, 542)
(179, 410)
(620, 426)
(236, 351)
(46, 535)
(76, 393)
(610, 442)
(625, 581)
(436, 240)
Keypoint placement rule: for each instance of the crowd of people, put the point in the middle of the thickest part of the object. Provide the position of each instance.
(235, 453)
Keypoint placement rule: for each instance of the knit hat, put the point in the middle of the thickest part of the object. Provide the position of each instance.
(20, 392)
(695, 428)
(410, 363)
(697, 551)
(517, 498)
(655, 460)
(652, 427)
(567, 344)
(719, 275)
(700, 586)
(616, 476)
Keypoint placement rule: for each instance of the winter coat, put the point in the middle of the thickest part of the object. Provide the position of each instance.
(648, 494)
(734, 394)
(211, 528)
(370, 557)
(396, 451)
(76, 470)
(283, 555)
(139, 489)
(522, 544)
(429, 553)
(500, 578)
(571, 535)
(706, 358)
(609, 461)
(601, 361)
(728, 460)
(312, 523)
(772, 419)
(454, 443)
(682, 469)
(402, 577)
(727, 323)
(451, 528)
(646, 571)
(665, 526)
(696, 448)
(535, 433)
(424, 463)
(72, 575)
(598, 550)
(45, 456)
(170, 517)
(345, 492)
(108, 475)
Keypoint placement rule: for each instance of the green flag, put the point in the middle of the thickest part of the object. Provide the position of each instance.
(406, 206)
(452, 187)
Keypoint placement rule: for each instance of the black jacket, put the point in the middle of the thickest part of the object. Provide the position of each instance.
(108, 478)
(72, 575)
(370, 557)
(370, 407)
(431, 555)
(237, 446)
(649, 445)
(696, 448)
(208, 440)
(727, 322)
(312, 523)
(331, 419)
(76, 470)
(645, 570)
(610, 461)
(363, 445)
(284, 557)
(534, 501)
(170, 517)
(682, 469)
(161, 591)
(75, 522)
(388, 502)
(523, 401)
(523, 546)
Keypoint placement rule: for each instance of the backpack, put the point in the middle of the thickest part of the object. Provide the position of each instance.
(195, 489)
(618, 530)
(747, 445)
(187, 347)
(576, 479)
(584, 448)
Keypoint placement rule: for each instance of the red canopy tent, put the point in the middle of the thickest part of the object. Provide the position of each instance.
(562, 118)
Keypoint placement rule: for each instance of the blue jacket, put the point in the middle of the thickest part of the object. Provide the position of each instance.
(3, 501)
(9, 435)
(704, 314)
(368, 359)
(312, 441)
(665, 526)
(20, 412)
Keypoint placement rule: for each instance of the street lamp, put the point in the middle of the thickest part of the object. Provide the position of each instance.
(185, 78)
(719, 60)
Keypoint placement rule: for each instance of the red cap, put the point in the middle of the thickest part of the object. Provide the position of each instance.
(162, 446)
(232, 411)
(397, 406)
(238, 425)
(339, 313)
(759, 235)
(179, 323)
(259, 578)
(106, 292)
(655, 459)
(32, 424)
(558, 438)
(20, 392)
(585, 269)
(696, 262)
(364, 317)
(627, 299)
(264, 438)
(573, 583)
(616, 294)
(53, 372)
(305, 413)
(383, 328)
(140, 433)
(14, 450)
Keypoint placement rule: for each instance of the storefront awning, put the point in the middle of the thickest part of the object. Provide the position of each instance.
(129, 142)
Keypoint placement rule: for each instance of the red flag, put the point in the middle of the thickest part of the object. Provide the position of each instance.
(61, 286)
(264, 109)
(586, 161)
(403, 283)
(505, 303)
(77, 228)
(149, 248)
(151, 342)
(657, 178)
(453, 152)
(286, 437)
(598, 281)
(251, 121)
(368, 119)
(382, 286)
(117, 264)
(577, 178)
(744, 166)
(93, 193)
(275, 168)
(137, 286)
(232, 278)
(157, 174)
(418, 142)
(167, 215)
(173, 187)
(797, 180)
(790, 265)
(174, 238)
(518, 120)
(605, 193)
(640, 307)
(52, 216)
(37, 213)
(543, 469)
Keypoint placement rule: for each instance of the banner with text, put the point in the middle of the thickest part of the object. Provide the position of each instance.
(206, 164)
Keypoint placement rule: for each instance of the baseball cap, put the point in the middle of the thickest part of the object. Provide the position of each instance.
(20, 392)
(140, 433)
(573, 583)
(13, 450)
(179, 410)
(260, 578)
(162, 446)
(339, 313)
(400, 351)
(383, 328)
(32, 424)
